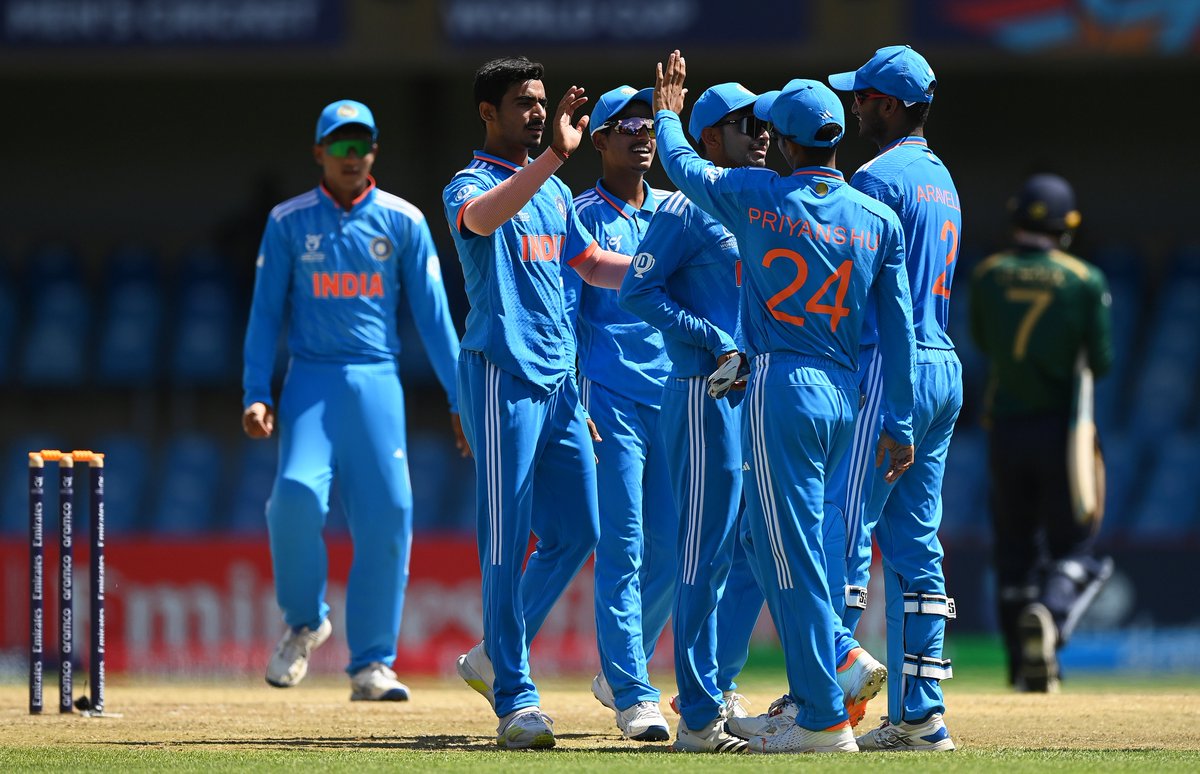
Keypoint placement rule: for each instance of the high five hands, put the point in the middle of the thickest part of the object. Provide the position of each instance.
(668, 83)
(568, 135)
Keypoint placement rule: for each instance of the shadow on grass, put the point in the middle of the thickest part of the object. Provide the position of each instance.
(430, 742)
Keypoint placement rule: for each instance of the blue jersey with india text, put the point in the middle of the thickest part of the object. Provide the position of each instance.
(684, 283)
(337, 275)
(813, 251)
(616, 349)
(513, 276)
(910, 179)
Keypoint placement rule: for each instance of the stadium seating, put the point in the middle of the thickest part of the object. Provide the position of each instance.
(188, 480)
(207, 325)
(131, 319)
(57, 341)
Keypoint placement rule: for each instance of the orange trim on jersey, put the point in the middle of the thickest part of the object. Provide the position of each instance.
(618, 206)
(591, 249)
(496, 161)
(461, 212)
(370, 187)
(819, 173)
(838, 727)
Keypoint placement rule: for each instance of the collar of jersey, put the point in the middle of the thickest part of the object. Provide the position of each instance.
(489, 158)
(362, 197)
(909, 140)
(819, 172)
(627, 210)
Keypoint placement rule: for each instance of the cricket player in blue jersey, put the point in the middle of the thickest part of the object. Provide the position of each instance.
(513, 224)
(813, 251)
(892, 95)
(622, 367)
(334, 264)
(685, 282)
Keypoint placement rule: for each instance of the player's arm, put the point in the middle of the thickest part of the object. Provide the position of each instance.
(708, 186)
(898, 346)
(1099, 334)
(594, 265)
(271, 280)
(644, 289)
(487, 212)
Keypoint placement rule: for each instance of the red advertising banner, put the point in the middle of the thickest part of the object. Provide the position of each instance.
(207, 606)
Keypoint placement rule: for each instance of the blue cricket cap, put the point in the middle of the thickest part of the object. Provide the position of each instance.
(344, 112)
(613, 102)
(716, 103)
(1045, 203)
(897, 71)
(801, 109)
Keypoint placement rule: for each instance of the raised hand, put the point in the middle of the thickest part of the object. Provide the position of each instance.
(567, 135)
(668, 83)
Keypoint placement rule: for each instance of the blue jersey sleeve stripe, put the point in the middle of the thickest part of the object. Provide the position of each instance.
(395, 203)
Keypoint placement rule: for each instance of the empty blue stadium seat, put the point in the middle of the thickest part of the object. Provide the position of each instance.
(9, 314)
(208, 324)
(132, 318)
(964, 488)
(429, 467)
(126, 470)
(1169, 508)
(252, 480)
(55, 346)
(1123, 458)
(189, 477)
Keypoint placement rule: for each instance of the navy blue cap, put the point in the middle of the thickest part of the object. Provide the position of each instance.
(716, 103)
(897, 71)
(801, 109)
(613, 102)
(344, 112)
(1045, 203)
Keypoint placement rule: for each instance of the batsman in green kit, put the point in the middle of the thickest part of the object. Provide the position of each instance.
(1041, 316)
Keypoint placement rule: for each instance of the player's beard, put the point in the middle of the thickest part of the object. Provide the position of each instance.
(531, 144)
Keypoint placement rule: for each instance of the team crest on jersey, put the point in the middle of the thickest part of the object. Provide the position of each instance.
(464, 192)
(312, 248)
(561, 205)
(642, 263)
(614, 243)
(381, 248)
(712, 173)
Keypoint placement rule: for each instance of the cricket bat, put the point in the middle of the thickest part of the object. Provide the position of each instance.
(1085, 465)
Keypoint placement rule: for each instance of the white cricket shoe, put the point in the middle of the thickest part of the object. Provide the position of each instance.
(787, 737)
(376, 682)
(735, 705)
(1039, 645)
(643, 722)
(782, 710)
(475, 668)
(861, 678)
(930, 736)
(713, 738)
(289, 662)
(527, 728)
(603, 691)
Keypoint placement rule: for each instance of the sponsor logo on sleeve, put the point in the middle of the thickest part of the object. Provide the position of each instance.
(642, 263)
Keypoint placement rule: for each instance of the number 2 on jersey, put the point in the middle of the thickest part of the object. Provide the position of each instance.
(836, 310)
(949, 232)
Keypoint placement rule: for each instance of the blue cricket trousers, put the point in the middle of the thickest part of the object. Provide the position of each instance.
(535, 471)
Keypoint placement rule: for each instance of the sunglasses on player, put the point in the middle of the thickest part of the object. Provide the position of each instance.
(862, 96)
(630, 126)
(341, 148)
(751, 126)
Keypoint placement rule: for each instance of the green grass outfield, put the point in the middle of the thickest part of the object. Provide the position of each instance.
(1099, 723)
(581, 761)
